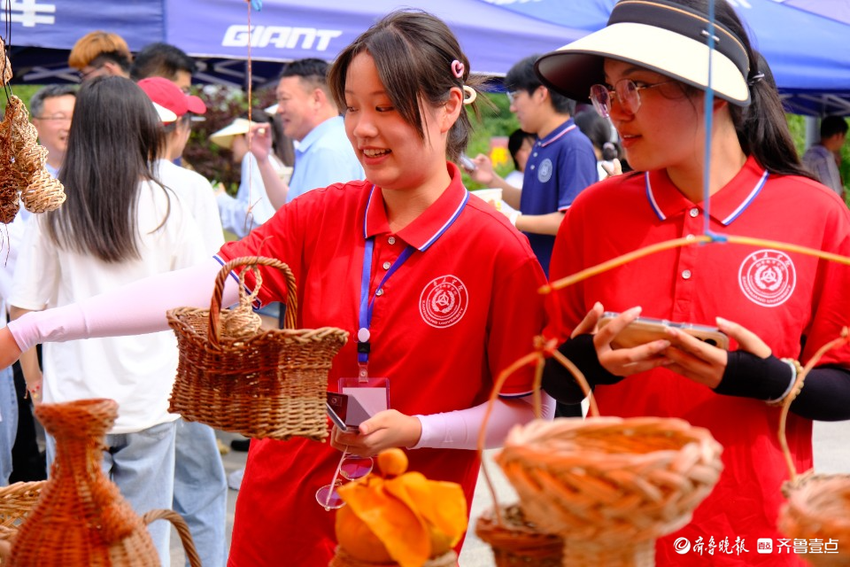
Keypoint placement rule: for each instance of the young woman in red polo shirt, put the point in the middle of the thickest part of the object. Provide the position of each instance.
(425, 276)
(647, 71)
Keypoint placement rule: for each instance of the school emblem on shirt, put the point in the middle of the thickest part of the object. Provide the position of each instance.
(767, 277)
(544, 172)
(443, 301)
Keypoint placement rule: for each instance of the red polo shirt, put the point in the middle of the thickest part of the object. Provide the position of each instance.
(460, 309)
(786, 298)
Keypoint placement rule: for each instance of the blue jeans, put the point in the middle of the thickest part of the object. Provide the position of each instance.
(200, 490)
(141, 464)
(8, 422)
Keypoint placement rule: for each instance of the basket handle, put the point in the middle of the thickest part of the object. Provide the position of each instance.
(249, 261)
(182, 528)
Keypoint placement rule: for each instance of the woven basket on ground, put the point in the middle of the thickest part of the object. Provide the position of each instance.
(235, 377)
(609, 486)
(81, 517)
(343, 559)
(516, 542)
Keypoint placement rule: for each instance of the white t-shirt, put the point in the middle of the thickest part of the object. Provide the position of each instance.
(514, 179)
(197, 193)
(136, 371)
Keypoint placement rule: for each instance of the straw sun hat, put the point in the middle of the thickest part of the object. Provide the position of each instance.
(662, 36)
(224, 137)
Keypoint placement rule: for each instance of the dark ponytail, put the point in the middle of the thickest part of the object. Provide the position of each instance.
(762, 127)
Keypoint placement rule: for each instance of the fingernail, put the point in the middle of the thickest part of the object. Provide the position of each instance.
(722, 321)
(634, 311)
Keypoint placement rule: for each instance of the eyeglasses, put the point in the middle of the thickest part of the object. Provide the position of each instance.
(512, 96)
(87, 73)
(350, 467)
(627, 93)
(57, 117)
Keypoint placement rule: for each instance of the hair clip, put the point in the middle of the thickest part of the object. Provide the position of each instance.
(755, 79)
(458, 69)
(469, 94)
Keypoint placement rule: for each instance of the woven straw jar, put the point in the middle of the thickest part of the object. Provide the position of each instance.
(81, 518)
(516, 542)
(818, 507)
(609, 486)
(343, 559)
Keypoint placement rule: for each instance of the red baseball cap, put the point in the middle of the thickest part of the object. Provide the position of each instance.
(167, 94)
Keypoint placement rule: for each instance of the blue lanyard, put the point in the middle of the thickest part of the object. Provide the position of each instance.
(367, 302)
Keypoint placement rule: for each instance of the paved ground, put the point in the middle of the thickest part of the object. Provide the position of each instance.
(831, 455)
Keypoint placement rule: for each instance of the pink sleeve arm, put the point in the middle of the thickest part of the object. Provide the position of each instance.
(459, 429)
(134, 309)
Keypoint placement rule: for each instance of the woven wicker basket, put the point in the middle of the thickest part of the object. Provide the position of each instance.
(343, 559)
(257, 383)
(516, 542)
(16, 501)
(819, 508)
(609, 486)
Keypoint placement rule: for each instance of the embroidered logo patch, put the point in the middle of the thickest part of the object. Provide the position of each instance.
(544, 172)
(767, 277)
(443, 301)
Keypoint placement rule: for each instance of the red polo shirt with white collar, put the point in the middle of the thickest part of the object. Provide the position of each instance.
(786, 298)
(463, 307)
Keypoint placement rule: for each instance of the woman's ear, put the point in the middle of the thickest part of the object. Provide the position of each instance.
(452, 109)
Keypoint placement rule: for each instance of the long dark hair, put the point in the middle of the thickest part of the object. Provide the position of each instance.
(413, 52)
(762, 127)
(114, 139)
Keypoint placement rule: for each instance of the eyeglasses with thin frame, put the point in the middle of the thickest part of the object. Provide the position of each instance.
(350, 467)
(93, 72)
(626, 91)
(512, 96)
(57, 117)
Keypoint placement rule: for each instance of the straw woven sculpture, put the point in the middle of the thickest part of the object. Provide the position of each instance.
(22, 166)
(81, 517)
(609, 486)
(343, 559)
(235, 377)
(516, 542)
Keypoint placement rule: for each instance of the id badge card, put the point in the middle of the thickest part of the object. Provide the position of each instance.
(372, 394)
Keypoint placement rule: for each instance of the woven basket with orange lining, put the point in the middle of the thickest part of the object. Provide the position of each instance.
(235, 377)
(818, 506)
(608, 486)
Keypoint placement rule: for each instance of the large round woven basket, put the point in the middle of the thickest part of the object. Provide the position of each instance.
(258, 383)
(818, 510)
(516, 542)
(342, 559)
(609, 486)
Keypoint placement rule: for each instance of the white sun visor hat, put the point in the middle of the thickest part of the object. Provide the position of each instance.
(272, 109)
(658, 35)
(165, 115)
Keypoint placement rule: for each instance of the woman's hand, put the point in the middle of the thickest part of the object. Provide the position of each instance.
(9, 351)
(383, 430)
(483, 172)
(623, 361)
(703, 363)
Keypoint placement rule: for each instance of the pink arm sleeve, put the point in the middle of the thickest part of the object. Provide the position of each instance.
(134, 309)
(459, 429)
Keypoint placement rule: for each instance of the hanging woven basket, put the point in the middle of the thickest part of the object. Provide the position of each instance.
(236, 377)
(609, 486)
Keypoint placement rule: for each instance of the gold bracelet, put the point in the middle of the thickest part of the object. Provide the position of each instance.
(796, 385)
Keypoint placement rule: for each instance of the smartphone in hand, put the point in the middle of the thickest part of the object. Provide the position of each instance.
(345, 411)
(467, 163)
(644, 330)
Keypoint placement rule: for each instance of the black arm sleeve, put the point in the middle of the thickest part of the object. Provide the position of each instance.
(825, 395)
(559, 383)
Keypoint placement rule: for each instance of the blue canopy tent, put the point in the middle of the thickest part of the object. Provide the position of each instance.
(216, 32)
(805, 41)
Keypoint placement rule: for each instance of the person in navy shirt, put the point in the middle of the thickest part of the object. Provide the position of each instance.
(561, 164)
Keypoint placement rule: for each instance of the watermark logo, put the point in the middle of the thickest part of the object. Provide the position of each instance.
(682, 545)
(28, 13)
(764, 545)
